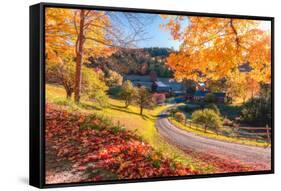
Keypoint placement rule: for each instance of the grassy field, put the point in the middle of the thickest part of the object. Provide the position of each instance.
(130, 119)
(213, 135)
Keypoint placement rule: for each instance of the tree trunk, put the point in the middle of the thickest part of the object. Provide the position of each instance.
(127, 104)
(205, 128)
(68, 94)
(141, 109)
(79, 58)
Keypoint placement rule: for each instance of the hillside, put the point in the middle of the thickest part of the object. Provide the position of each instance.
(135, 61)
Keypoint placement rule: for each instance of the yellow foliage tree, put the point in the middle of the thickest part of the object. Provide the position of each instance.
(214, 48)
(81, 33)
(58, 34)
(75, 34)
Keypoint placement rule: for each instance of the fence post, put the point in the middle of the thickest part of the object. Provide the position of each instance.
(267, 133)
(237, 131)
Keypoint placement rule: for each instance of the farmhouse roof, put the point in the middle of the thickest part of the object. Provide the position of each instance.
(200, 93)
(161, 84)
(219, 94)
(245, 67)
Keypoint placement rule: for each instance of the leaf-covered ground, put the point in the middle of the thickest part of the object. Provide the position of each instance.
(82, 147)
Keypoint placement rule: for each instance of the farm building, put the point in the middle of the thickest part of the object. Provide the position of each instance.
(200, 95)
(164, 85)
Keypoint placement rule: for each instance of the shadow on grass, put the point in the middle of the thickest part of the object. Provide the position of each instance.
(88, 106)
(124, 109)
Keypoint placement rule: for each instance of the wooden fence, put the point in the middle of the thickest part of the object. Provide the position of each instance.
(258, 133)
(253, 132)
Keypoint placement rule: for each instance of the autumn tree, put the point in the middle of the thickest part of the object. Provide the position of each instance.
(65, 43)
(159, 98)
(63, 74)
(257, 110)
(57, 44)
(87, 33)
(236, 90)
(59, 53)
(242, 87)
(216, 85)
(99, 30)
(153, 76)
(113, 78)
(253, 86)
(143, 98)
(128, 92)
(180, 117)
(213, 48)
(93, 87)
(189, 86)
(89, 36)
(210, 98)
(209, 118)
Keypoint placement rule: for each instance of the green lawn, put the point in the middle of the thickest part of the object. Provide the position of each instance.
(131, 120)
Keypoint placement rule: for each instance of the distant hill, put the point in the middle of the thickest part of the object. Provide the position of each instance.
(157, 51)
(135, 61)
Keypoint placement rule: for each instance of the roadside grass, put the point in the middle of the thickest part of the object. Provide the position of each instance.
(210, 134)
(129, 118)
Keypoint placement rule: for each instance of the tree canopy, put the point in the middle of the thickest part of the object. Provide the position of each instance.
(214, 48)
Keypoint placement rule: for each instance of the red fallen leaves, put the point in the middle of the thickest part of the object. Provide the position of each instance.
(119, 152)
(224, 164)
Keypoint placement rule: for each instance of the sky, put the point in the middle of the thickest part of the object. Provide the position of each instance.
(159, 37)
(155, 36)
(265, 25)
(162, 38)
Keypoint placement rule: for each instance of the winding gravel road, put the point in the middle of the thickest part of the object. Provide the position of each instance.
(256, 157)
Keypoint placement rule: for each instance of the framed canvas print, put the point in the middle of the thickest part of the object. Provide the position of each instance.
(122, 95)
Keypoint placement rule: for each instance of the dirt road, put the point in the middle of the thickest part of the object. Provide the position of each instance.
(256, 158)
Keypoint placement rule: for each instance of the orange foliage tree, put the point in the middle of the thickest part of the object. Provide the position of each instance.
(81, 33)
(214, 48)
(75, 33)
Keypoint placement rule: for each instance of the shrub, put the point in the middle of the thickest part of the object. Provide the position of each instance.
(214, 107)
(207, 117)
(190, 107)
(115, 91)
(180, 117)
(96, 122)
(227, 122)
(159, 98)
(156, 163)
(117, 129)
(210, 98)
(113, 78)
(257, 111)
(173, 112)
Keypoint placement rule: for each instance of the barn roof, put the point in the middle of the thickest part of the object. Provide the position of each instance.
(219, 94)
(200, 93)
(161, 84)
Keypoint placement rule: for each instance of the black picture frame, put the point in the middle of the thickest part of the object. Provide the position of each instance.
(37, 93)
